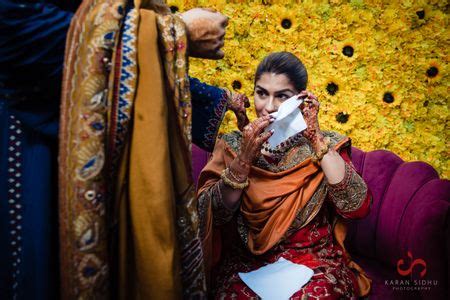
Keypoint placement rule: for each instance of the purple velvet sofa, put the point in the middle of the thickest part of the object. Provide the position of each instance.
(404, 243)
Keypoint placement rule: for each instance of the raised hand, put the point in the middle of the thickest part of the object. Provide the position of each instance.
(206, 32)
(238, 103)
(252, 140)
(310, 111)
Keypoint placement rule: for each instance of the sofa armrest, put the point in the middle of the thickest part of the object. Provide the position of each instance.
(410, 214)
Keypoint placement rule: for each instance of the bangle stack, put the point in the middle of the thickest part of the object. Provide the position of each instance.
(317, 156)
(232, 181)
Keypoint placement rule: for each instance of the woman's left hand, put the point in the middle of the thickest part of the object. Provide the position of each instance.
(310, 110)
(238, 103)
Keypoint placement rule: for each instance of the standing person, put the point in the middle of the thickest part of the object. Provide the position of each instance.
(32, 37)
(126, 194)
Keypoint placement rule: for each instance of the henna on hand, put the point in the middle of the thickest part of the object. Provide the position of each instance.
(238, 103)
(252, 140)
(310, 111)
(206, 32)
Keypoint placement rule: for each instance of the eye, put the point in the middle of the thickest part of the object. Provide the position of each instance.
(260, 93)
(283, 96)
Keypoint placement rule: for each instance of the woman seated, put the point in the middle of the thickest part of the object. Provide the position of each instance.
(285, 202)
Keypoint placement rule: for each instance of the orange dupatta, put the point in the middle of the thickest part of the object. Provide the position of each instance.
(274, 203)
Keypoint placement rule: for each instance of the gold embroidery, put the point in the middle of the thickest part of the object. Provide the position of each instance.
(298, 153)
(222, 214)
(242, 229)
(349, 194)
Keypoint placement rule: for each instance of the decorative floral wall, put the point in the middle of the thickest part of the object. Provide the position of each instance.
(379, 68)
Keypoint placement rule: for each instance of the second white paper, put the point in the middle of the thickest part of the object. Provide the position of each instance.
(279, 280)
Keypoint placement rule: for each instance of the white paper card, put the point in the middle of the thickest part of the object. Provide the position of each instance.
(289, 121)
(277, 281)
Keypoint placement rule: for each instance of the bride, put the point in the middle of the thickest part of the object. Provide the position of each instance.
(257, 204)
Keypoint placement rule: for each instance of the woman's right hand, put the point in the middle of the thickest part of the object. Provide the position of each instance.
(252, 140)
(238, 103)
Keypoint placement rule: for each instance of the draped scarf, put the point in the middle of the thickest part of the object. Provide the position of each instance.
(122, 63)
(273, 201)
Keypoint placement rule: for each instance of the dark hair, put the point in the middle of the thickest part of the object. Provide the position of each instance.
(284, 63)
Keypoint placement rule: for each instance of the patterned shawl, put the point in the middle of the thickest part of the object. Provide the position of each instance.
(280, 198)
(100, 86)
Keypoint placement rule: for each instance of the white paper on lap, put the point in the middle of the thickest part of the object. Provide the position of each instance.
(289, 121)
(277, 281)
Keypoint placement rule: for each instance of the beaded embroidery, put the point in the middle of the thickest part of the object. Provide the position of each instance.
(15, 208)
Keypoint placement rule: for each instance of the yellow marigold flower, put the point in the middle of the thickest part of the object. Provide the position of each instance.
(332, 85)
(236, 82)
(347, 50)
(286, 20)
(433, 72)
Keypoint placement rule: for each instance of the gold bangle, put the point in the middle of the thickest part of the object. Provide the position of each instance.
(317, 157)
(234, 177)
(231, 183)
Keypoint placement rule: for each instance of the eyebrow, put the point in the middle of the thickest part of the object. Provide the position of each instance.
(285, 90)
(277, 92)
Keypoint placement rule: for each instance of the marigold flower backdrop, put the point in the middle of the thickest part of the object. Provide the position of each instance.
(379, 68)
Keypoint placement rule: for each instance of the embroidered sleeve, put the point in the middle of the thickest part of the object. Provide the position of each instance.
(209, 104)
(213, 196)
(349, 194)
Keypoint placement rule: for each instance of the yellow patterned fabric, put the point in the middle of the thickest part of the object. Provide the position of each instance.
(127, 203)
(82, 182)
(174, 45)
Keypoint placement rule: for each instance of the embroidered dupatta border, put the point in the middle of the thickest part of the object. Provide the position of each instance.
(173, 44)
(91, 41)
